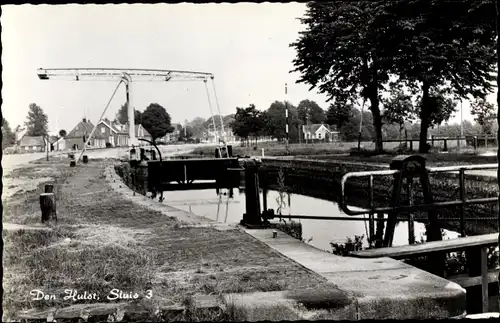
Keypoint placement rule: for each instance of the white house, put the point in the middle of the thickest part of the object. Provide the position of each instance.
(319, 131)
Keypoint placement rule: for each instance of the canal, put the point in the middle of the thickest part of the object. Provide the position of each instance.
(319, 233)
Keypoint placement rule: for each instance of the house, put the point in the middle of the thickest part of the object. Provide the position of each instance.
(60, 144)
(32, 144)
(172, 136)
(52, 142)
(116, 134)
(319, 131)
(76, 138)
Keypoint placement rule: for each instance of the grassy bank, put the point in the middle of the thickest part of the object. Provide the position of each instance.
(103, 241)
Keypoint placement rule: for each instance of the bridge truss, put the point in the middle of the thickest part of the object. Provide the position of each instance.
(128, 76)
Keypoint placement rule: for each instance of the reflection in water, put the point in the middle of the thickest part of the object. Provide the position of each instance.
(228, 208)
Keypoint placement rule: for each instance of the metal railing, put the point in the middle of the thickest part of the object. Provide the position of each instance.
(462, 202)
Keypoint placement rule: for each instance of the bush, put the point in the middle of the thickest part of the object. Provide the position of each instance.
(109, 145)
(350, 246)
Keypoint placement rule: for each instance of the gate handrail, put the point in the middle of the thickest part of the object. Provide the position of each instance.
(411, 208)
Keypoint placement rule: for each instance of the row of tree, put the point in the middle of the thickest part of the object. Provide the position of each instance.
(433, 49)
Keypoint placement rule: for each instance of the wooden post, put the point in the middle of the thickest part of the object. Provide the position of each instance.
(380, 231)
(252, 198)
(72, 163)
(85, 159)
(48, 207)
(49, 188)
(445, 145)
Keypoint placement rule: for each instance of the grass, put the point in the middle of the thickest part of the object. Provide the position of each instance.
(278, 149)
(103, 241)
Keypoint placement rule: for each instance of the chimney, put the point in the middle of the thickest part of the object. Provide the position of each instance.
(84, 120)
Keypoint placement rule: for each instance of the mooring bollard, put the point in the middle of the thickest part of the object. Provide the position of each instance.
(275, 234)
(72, 163)
(252, 216)
(49, 188)
(48, 207)
(85, 159)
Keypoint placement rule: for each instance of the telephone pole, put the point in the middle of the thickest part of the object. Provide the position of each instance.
(286, 120)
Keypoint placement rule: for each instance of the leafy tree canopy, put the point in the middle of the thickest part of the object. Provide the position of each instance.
(156, 120)
(8, 137)
(310, 112)
(484, 114)
(122, 115)
(37, 122)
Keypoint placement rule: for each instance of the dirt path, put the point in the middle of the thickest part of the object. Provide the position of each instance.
(104, 241)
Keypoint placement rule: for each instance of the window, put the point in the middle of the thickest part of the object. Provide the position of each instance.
(319, 135)
(103, 130)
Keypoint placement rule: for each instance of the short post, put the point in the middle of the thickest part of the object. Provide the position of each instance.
(72, 163)
(85, 159)
(477, 262)
(371, 228)
(380, 230)
(252, 198)
(445, 144)
(459, 144)
(432, 141)
(262, 152)
(264, 199)
(475, 142)
(411, 145)
(48, 207)
(49, 188)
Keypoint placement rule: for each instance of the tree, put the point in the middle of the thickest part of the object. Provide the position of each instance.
(341, 52)
(338, 113)
(185, 133)
(310, 112)
(197, 126)
(484, 114)
(248, 122)
(156, 120)
(275, 121)
(122, 115)
(37, 121)
(440, 107)
(398, 108)
(440, 44)
(8, 137)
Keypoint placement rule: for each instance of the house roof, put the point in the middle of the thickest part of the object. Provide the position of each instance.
(32, 141)
(314, 127)
(113, 126)
(53, 139)
(83, 128)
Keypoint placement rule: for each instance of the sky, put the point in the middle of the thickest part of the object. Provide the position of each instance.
(245, 45)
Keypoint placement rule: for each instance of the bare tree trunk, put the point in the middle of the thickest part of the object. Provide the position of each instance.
(424, 118)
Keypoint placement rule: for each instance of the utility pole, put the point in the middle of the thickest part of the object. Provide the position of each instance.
(286, 120)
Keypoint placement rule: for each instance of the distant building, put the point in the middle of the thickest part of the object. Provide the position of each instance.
(319, 131)
(32, 144)
(76, 138)
(172, 136)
